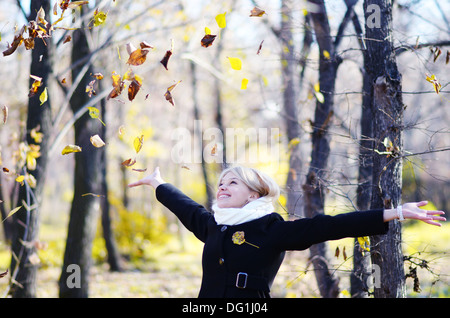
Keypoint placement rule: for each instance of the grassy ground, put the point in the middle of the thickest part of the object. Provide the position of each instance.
(170, 273)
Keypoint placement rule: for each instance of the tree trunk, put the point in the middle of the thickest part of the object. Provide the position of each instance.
(288, 65)
(387, 113)
(361, 263)
(87, 179)
(314, 188)
(26, 221)
(114, 259)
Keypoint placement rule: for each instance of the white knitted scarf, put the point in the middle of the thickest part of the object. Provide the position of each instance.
(251, 211)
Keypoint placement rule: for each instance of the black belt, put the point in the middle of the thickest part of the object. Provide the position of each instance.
(244, 280)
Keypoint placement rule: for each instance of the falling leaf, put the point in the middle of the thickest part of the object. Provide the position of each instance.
(244, 83)
(436, 53)
(98, 76)
(99, 17)
(35, 86)
(168, 93)
(221, 20)
(92, 194)
(3, 274)
(67, 39)
(36, 135)
(44, 96)
(5, 113)
(208, 40)
(145, 45)
(18, 40)
(235, 63)
(117, 84)
(139, 170)
(11, 213)
(20, 179)
(129, 162)
(257, 12)
(260, 47)
(137, 57)
(207, 30)
(326, 54)
(95, 114)
(214, 150)
(90, 89)
(71, 148)
(138, 142)
(134, 87)
(96, 141)
(433, 80)
(166, 58)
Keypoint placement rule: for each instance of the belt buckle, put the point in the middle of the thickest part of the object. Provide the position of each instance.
(238, 279)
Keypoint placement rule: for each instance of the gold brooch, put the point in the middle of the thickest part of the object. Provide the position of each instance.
(238, 238)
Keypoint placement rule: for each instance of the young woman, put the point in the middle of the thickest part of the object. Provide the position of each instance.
(245, 242)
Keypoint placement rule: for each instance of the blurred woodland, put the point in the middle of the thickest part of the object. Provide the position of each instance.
(95, 94)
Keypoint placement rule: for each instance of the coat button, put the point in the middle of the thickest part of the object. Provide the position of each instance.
(221, 261)
(224, 228)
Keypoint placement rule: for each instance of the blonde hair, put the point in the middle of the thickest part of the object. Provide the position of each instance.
(255, 180)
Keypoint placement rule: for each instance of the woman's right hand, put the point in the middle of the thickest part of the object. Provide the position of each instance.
(153, 180)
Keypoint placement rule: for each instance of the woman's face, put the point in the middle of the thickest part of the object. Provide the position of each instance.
(233, 193)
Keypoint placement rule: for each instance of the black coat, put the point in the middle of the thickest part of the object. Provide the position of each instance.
(245, 270)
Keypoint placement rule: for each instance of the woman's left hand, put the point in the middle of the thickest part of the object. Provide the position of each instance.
(412, 210)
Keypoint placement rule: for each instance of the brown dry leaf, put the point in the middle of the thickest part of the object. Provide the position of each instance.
(5, 113)
(35, 86)
(67, 39)
(134, 87)
(137, 57)
(257, 12)
(129, 162)
(117, 84)
(260, 47)
(3, 274)
(18, 40)
(165, 60)
(208, 40)
(168, 94)
(145, 45)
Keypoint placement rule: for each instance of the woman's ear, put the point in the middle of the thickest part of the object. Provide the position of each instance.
(253, 196)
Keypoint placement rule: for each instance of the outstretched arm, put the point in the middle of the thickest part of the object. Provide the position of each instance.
(411, 210)
(153, 180)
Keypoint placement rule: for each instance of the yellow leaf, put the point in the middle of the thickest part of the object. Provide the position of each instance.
(95, 113)
(221, 21)
(138, 141)
(96, 141)
(71, 148)
(20, 178)
(11, 213)
(44, 96)
(99, 18)
(364, 244)
(326, 54)
(207, 30)
(317, 87)
(236, 63)
(244, 83)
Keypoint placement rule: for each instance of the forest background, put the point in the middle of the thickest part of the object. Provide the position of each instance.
(257, 62)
